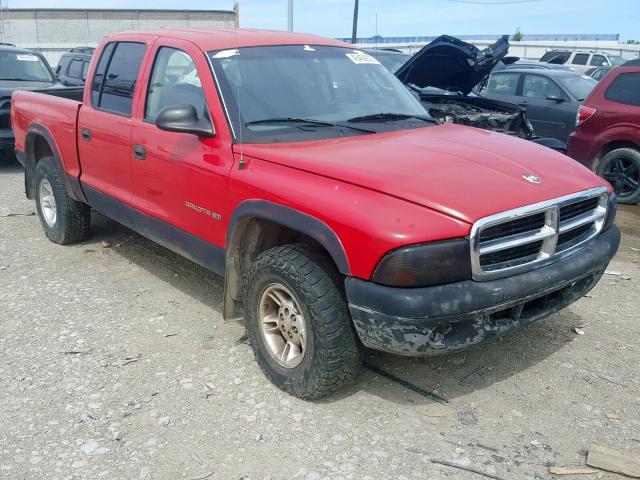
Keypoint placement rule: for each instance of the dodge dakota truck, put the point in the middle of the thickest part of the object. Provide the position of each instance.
(340, 213)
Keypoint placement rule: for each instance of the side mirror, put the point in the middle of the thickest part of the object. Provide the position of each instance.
(555, 98)
(184, 119)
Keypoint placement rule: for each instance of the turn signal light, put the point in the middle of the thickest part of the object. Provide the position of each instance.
(584, 114)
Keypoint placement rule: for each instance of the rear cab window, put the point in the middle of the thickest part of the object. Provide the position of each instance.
(115, 78)
(625, 89)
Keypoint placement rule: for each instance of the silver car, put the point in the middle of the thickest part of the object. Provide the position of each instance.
(581, 60)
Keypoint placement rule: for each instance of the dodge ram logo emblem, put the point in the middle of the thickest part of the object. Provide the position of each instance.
(530, 177)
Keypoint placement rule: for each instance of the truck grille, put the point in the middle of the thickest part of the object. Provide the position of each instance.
(5, 121)
(524, 238)
(5, 113)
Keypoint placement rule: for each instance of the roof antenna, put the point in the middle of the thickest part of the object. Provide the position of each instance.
(241, 164)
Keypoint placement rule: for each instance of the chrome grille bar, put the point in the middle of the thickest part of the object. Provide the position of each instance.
(578, 214)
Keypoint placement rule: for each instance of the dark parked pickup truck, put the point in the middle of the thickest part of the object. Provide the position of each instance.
(339, 212)
(20, 69)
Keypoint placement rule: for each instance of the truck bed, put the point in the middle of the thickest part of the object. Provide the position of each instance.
(54, 114)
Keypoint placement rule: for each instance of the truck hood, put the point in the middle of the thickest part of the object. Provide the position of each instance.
(7, 87)
(451, 64)
(464, 172)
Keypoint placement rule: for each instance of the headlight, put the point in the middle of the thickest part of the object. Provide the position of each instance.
(426, 264)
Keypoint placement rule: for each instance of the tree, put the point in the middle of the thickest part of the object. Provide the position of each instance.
(377, 38)
(517, 37)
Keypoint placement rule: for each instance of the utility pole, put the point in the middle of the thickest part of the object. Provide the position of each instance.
(3, 32)
(354, 33)
(290, 16)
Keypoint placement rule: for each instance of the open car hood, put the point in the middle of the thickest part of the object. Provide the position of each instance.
(451, 64)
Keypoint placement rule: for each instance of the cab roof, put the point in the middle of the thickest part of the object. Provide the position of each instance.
(223, 38)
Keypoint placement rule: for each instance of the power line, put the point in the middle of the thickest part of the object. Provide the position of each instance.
(3, 31)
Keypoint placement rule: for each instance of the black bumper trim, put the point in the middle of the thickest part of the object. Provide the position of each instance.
(433, 320)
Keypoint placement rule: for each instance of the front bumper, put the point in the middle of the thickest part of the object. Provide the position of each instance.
(6, 134)
(443, 318)
(6, 140)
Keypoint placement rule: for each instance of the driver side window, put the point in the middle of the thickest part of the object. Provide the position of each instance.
(537, 86)
(174, 81)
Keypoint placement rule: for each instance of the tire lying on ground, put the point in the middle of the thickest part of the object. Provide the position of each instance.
(63, 219)
(621, 167)
(298, 322)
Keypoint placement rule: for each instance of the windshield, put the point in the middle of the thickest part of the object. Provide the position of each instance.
(23, 66)
(269, 92)
(392, 60)
(616, 60)
(579, 86)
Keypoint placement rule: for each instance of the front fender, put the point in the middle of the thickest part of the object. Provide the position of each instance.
(294, 220)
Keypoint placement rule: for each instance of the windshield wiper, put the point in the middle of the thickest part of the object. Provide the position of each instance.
(388, 116)
(309, 121)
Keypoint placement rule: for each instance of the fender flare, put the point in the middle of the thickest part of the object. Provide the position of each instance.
(295, 220)
(71, 184)
(281, 215)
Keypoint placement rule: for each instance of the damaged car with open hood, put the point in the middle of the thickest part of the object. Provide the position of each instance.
(444, 74)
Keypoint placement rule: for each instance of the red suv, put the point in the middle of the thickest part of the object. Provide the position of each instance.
(607, 137)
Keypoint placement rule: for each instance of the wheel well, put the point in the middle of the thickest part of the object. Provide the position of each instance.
(609, 147)
(41, 148)
(250, 237)
(37, 148)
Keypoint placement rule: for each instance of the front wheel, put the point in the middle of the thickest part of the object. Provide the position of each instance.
(621, 167)
(63, 219)
(298, 322)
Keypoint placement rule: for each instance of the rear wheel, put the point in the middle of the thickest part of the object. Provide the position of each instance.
(621, 167)
(298, 322)
(63, 219)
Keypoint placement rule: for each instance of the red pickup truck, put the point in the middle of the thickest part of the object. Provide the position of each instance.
(341, 215)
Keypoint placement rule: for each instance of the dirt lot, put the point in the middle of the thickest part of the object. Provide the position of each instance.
(115, 363)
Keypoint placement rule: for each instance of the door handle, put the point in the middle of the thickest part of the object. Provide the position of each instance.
(139, 152)
(86, 134)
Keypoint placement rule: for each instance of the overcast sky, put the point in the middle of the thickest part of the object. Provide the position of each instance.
(409, 17)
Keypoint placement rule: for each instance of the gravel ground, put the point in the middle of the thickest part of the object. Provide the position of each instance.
(115, 363)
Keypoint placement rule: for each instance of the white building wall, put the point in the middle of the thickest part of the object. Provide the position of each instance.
(55, 31)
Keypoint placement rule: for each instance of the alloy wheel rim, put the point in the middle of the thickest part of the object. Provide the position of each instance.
(626, 173)
(282, 325)
(48, 203)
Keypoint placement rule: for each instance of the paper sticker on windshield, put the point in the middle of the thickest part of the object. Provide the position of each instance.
(362, 58)
(27, 58)
(227, 53)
